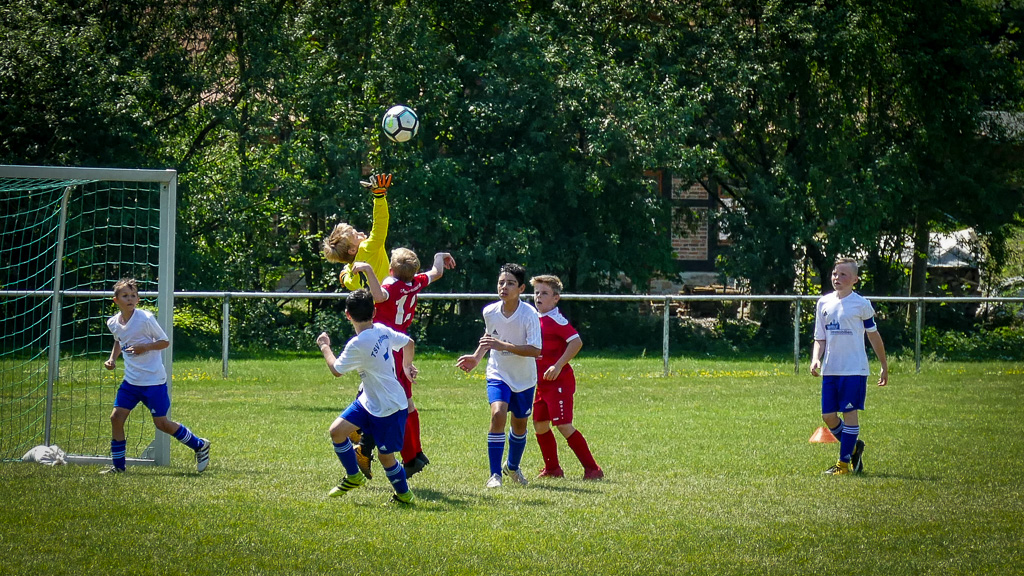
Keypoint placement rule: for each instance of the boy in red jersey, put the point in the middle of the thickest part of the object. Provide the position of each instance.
(556, 382)
(396, 306)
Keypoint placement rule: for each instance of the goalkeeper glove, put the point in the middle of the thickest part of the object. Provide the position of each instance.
(378, 184)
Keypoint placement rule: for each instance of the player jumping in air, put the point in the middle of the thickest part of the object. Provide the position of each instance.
(395, 309)
(346, 245)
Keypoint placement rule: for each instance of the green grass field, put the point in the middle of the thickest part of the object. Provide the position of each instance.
(709, 471)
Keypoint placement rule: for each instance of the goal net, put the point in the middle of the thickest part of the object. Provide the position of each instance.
(67, 235)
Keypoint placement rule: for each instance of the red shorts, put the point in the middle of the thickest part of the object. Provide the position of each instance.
(402, 379)
(554, 403)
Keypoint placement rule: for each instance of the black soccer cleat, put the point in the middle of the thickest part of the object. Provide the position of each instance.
(857, 458)
(414, 466)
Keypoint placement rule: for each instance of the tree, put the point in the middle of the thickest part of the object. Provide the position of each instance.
(841, 125)
(68, 94)
(833, 127)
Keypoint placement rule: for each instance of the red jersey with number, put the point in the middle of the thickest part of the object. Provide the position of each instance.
(397, 311)
(555, 332)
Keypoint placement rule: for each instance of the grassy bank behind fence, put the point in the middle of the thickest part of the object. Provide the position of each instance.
(708, 471)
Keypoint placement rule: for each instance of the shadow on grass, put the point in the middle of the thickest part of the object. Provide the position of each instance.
(144, 472)
(469, 498)
(447, 499)
(316, 409)
(895, 476)
(552, 487)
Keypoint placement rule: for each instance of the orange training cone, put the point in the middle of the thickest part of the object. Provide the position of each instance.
(822, 436)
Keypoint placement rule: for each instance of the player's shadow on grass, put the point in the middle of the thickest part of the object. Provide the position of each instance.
(895, 476)
(316, 409)
(340, 409)
(558, 487)
(435, 496)
(156, 472)
(474, 498)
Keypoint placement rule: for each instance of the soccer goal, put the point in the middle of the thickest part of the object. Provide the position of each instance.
(67, 235)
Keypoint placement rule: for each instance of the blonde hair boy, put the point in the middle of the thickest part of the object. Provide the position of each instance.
(405, 264)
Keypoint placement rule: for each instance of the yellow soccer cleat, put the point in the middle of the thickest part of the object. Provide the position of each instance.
(841, 468)
(348, 483)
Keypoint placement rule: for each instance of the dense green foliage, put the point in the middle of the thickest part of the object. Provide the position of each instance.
(833, 127)
(714, 476)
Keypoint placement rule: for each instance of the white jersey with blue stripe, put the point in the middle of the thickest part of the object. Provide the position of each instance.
(370, 353)
(841, 323)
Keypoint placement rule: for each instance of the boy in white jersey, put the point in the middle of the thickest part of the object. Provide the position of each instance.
(841, 320)
(513, 338)
(140, 338)
(381, 407)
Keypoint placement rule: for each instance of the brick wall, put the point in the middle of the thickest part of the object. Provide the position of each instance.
(680, 191)
(691, 245)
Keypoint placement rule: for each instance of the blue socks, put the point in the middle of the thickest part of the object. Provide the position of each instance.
(516, 447)
(347, 455)
(185, 436)
(837, 432)
(396, 475)
(117, 452)
(847, 442)
(495, 450)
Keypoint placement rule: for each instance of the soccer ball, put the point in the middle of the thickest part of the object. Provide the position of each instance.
(400, 124)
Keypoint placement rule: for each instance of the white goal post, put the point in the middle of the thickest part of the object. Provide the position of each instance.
(67, 235)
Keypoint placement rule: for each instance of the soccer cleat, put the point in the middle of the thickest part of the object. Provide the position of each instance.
(494, 481)
(405, 499)
(556, 473)
(516, 475)
(414, 466)
(839, 469)
(423, 457)
(593, 474)
(203, 455)
(364, 462)
(112, 470)
(350, 482)
(856, 460)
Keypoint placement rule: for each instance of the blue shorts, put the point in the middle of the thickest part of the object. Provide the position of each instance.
(843, 393)
(155, 398)
(387, 431)
(520, 404)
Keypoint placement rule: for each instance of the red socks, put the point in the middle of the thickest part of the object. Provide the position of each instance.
(578, 444)
(548, 450)
(411, 444)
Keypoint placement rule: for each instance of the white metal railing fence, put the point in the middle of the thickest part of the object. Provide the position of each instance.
(665, 300)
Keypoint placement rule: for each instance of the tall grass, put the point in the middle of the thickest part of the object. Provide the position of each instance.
(708, 471)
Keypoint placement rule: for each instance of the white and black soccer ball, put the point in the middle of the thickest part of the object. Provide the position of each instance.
(400, 123)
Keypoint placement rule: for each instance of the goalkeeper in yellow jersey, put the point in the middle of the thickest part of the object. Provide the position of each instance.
(346, 245)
